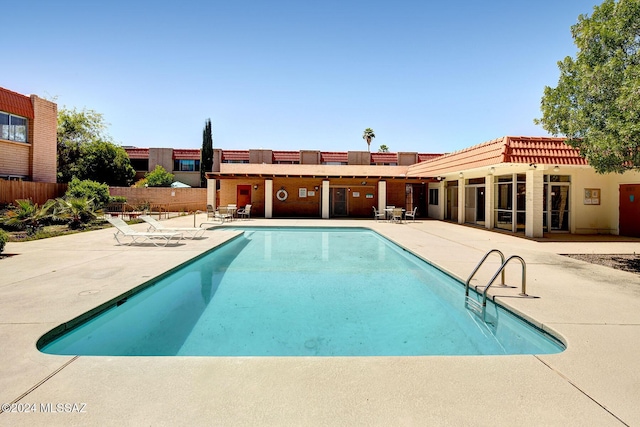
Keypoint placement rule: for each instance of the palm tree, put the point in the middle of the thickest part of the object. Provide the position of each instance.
(76, 210)
(28, 215)
(368, 135)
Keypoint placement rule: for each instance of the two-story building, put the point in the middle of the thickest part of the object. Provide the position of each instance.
(28, 127)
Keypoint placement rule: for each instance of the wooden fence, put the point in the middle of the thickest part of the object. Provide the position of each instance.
(38, 192)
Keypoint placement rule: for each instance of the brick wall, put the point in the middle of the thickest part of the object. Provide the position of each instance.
(14, 158)
(43, 142)
(175, 199)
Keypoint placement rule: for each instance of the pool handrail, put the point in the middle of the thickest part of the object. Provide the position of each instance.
(475, 270)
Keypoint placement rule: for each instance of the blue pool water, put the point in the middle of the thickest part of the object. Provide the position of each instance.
(302, 292)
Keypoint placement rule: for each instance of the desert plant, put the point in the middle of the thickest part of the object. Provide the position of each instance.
(3, 239)
(29, 216)
(76, 210)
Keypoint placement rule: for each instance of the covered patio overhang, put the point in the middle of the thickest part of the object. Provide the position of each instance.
(309, 186)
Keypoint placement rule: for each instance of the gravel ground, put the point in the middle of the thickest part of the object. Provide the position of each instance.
(624, 262)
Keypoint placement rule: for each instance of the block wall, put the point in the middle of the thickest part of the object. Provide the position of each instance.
(14, 158)
(43, 159)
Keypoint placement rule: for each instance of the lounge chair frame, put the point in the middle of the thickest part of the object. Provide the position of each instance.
(155, 225)
(124, 230)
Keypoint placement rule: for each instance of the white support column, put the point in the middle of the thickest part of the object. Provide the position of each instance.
(442, 200)
(382, 195)
(534, 207)
(268, 198)
(488, 202)
(211, 192)
(461, 201)
(325, 199)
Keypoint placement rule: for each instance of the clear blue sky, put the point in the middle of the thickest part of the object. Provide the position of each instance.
(299, 74)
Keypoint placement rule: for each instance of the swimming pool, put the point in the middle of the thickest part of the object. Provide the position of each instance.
(302, 292)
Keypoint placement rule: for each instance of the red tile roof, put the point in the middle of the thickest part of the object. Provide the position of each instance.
(186, 154)
(508, 149)
(286, 156)
(384, 158)
(137, 153)
(15, 103)
(539, 150)
(424, 157)
(235, 155)
(342, 157)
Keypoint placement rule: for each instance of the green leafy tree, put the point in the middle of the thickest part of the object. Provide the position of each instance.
(596, 104)
(90, 190)
(105, 162)
(383, 149)
(367, 136)
(159, 177)
(206, 154)
(28, 215)
(85, 150)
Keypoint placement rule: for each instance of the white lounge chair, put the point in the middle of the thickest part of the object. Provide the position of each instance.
(140, 236)
(155, 225)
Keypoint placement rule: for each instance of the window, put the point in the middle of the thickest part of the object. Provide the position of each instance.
(13, 128)
(140, 164)
(433, 196)
(186, 165)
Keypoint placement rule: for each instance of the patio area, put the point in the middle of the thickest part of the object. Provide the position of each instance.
(593, 308)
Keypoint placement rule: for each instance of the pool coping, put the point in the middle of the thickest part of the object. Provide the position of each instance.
(596, 310)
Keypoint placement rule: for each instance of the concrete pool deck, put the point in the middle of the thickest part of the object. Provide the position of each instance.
(594, 309)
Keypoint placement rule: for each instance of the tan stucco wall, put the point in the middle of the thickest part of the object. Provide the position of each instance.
(602, 218)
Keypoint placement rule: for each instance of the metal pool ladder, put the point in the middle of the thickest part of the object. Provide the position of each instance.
(474, 305)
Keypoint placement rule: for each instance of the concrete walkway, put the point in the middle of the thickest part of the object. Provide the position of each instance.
(594, 309)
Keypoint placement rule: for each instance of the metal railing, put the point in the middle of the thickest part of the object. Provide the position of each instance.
(475, 270)
(475, 305)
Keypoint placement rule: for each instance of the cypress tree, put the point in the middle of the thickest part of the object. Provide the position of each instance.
(206, 154)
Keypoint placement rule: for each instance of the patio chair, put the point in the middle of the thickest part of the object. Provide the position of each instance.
(378, 215)
(155, 225)
(245, 212)
(211, 212)
(411, 214)
(396, 215)
(140, 236)
(223, 214)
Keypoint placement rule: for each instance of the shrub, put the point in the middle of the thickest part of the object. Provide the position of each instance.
(141, 183)
(159, 177)
(117, 199)
(3, 239)
(90, 190)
